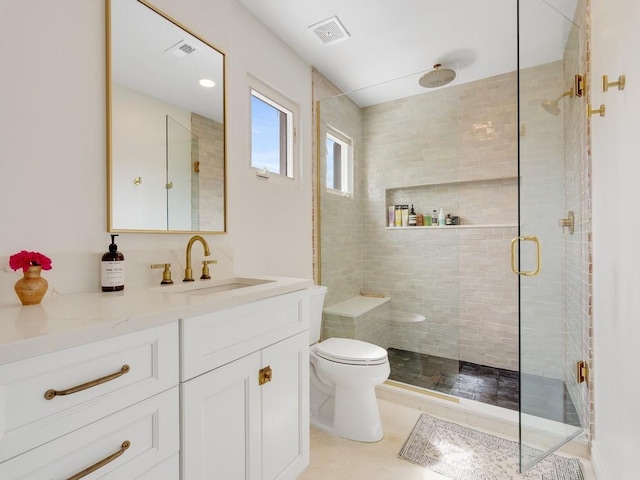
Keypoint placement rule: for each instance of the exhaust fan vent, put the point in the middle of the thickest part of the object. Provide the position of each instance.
(181, 49)
(329, 31)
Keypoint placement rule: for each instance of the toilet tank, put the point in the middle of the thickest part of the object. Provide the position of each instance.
(316, 301)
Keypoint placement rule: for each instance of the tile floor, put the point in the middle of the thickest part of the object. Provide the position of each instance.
(542, 397)
(334, 458)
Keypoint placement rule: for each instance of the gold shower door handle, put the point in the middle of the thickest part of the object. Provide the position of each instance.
(514, 244)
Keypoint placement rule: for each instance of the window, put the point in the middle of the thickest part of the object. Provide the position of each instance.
(339, 164)
(272, 135)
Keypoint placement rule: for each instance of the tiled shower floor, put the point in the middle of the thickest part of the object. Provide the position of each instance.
(544, 397)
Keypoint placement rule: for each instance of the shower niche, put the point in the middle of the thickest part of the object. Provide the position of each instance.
(481, 203)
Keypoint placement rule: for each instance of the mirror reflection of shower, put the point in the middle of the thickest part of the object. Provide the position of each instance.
(551, 106)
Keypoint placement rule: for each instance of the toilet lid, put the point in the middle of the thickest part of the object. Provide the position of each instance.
(353, 352)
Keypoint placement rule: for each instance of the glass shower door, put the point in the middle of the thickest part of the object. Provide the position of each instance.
(182, 197)
(546, 255)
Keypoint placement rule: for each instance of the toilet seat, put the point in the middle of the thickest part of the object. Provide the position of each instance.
(351, 352)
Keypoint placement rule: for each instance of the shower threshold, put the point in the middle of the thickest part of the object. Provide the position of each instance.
(490, 385)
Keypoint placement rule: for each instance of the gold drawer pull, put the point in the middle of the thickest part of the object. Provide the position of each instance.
(51, 394)
(126, 444)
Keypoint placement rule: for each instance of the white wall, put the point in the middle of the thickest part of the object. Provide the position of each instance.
(52, 139)
(616, 255)
(139, 138)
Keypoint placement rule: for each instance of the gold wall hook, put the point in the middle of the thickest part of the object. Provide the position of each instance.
(137, 180)
(620, 83)
(591, 111)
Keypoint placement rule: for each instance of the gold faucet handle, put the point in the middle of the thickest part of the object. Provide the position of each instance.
(205, 269)
(166, 273)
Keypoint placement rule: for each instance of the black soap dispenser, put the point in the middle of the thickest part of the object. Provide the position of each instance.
(113, 268)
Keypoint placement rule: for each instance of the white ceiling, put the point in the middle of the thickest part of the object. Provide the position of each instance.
(393, 42)
(139, 38)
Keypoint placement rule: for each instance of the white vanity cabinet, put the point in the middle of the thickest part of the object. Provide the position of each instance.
(112, 405)
(157, 386)
(245, 391)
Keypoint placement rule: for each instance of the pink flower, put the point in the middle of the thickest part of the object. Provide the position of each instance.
(25, 259)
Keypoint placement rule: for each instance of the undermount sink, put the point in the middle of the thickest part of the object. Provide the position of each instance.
(208, 287)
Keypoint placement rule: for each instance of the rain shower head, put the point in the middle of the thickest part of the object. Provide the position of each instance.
(437, 77)
(551, 106)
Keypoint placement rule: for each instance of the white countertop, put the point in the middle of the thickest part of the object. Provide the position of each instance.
(62, 321)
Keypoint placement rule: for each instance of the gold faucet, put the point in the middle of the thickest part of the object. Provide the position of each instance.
(188, 274)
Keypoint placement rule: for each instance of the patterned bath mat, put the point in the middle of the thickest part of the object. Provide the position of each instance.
(462, 453)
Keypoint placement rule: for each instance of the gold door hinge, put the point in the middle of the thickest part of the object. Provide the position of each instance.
(264, 375)
(582, 372)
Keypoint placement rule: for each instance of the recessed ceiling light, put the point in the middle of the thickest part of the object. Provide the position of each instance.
(205, 82)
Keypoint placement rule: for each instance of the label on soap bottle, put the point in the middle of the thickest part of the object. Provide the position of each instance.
(113, 273)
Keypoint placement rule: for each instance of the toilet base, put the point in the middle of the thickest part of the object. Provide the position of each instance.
(357, 416)
(351, 413)
(343, 400)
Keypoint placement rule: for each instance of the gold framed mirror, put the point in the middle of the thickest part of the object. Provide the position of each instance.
(166, 134)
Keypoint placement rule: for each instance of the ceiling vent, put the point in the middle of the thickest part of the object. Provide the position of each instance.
(329, 31)
(181, 49)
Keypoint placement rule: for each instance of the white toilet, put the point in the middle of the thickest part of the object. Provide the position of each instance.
(344, 373)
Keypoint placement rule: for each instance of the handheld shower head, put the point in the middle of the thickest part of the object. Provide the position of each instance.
(551, 106)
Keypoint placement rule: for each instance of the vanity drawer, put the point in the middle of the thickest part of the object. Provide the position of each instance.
(217, 338)
(151, 427)
(169, 469)
(28, 419)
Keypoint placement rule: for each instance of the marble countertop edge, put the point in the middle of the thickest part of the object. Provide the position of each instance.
(63, 321)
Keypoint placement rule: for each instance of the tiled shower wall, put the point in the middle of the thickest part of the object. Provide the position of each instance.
(541, 169)
(577, 164)
(340, 232)
(457, 149)
(210, 189)
(454, 148)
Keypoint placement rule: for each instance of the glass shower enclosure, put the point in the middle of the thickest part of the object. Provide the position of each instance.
(548, 253)
(492, 308)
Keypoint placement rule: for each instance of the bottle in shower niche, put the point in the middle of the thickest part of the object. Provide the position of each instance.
(112, 268)
(412, 217)
(434, 219)
(405, 215)
(441, 219)
(398, 217)
(448, 220)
